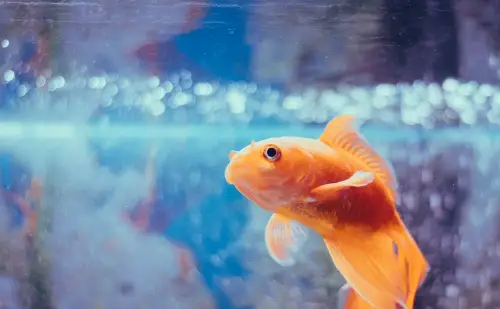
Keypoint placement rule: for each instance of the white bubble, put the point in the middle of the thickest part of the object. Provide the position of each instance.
(154, 82)
(22, 90)
(9, 75)
(236, 101)
(40, 81)
(156, 108)
(159, 93)
(203, 89)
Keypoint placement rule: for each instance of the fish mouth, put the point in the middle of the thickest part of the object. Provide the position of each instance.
(236, 177)
(236, 170)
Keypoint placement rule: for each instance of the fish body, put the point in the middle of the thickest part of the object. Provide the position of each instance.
(342, 189)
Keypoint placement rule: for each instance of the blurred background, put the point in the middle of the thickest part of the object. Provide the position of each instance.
(117, 117)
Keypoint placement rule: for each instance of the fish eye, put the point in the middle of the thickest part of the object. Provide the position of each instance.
(272, 153)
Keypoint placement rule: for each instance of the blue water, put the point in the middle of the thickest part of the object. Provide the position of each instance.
(225, 215)
(217, 210)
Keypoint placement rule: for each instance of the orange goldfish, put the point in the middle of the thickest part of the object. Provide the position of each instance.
(341, 188)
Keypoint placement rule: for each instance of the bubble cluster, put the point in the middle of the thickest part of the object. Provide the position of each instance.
(179, 99)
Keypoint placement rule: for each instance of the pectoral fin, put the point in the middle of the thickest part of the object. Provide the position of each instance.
(368, 262)
(331, 191)
(284, 238)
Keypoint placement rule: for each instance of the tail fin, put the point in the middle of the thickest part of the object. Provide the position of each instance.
(418, 267)
(349, 299)
(388, 275)
(412, 261)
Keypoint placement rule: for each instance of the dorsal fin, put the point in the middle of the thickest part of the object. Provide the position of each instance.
(341, 133)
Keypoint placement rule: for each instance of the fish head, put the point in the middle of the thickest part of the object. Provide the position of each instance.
(270, 172)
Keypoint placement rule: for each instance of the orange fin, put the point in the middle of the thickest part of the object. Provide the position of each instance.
(349, 299)
(330, 191)
(369, 263)
(412, 260)
(284, 238)
(341, 133)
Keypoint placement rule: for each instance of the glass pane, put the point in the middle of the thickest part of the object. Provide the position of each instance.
(119, 187)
